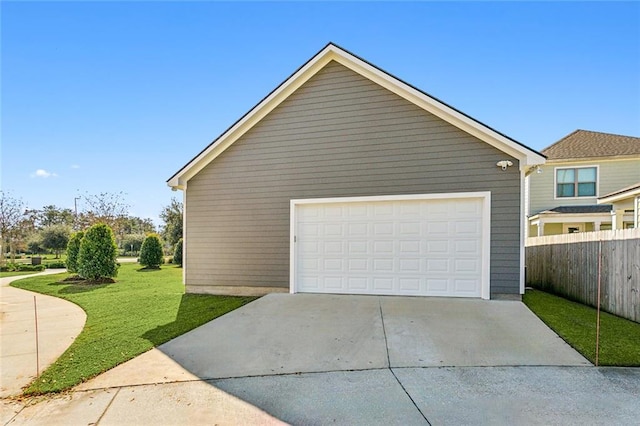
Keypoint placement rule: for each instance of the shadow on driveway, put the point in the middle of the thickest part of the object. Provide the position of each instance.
(381, 360)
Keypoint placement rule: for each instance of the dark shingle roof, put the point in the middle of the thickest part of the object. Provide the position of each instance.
(588, 144)
(599, 208)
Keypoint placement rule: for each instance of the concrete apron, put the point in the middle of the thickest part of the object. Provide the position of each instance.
(304, 333)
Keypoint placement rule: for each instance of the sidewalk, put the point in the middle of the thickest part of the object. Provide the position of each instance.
(59, 323)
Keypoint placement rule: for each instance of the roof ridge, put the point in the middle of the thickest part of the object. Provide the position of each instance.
(561, 139)
(611, 134)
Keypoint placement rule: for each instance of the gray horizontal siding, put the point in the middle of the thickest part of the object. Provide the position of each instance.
(339, 135)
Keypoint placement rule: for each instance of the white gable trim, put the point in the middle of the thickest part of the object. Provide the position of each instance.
(526, 157)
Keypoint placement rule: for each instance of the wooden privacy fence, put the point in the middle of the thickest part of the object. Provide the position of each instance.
(568, 265)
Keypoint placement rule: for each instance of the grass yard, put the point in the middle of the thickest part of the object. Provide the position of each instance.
(16, 273)
(576, 324)
(143, 309)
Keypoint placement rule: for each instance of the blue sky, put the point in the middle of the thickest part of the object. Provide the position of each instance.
(117, 96)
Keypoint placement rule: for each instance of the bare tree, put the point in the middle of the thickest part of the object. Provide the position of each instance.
(108, 208)
(11, 217)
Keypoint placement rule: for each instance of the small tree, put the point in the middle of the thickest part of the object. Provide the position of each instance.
(56, 238)
(98, 253)
(73, 248)
(132, 242)
(34, 243)
(171, 215)
(177, 253)
(151, 252)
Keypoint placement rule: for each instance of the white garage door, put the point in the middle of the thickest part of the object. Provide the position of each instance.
(431, 245)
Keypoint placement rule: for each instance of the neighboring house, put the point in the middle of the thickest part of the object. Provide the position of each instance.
(624, 202)
(345, 179)
(585, 184)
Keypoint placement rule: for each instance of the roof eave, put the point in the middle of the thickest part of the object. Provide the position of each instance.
(634, 192)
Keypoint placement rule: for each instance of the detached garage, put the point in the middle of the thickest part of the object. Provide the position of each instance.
(347, 180)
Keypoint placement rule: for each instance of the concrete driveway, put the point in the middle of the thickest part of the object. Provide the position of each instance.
(315, 359)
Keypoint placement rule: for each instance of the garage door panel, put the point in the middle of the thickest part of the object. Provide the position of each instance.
(357, 284)
(435, 247)
(357, 229)
(430, 247)
(385, 284)
(358, 248)
(410, 229)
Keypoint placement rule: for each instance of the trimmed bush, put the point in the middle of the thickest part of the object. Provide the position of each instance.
(73, 248)
(151, 255)
(177, 253)
(55, 265)
(98, 253)
(18, 267)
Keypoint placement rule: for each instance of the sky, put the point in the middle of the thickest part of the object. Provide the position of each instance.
(118, 96)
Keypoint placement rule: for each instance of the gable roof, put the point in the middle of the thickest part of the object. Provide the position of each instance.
(331, 52)
(621, 194)
(587, 144)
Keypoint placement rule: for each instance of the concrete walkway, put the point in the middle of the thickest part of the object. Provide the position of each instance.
(59, 323)
(317, 359)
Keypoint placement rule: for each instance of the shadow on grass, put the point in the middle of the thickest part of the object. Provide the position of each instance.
(80, 287)
(194, 306)
(148, 270)
(158, 335)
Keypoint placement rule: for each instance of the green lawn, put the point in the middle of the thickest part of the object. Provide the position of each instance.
(576, 324)
(142, 310)
(16, 273)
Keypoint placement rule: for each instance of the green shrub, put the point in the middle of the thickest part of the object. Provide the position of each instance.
(55, 265)
(177, 253)
(73, 248)
(151, 255)
(18, 267)
(98, 253)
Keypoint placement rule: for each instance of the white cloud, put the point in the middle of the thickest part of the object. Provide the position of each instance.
(42, 173)
(75, 166)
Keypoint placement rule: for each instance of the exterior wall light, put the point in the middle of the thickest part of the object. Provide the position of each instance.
(503, 164)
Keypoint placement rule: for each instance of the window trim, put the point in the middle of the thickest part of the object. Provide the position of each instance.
(555, 181)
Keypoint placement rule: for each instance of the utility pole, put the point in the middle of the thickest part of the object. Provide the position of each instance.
(75, 210)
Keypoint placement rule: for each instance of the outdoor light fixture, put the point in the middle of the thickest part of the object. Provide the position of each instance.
(503, 164)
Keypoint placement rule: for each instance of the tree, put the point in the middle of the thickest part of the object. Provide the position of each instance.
(171, 215)
(52, 215)
(132, 242)
(136, 225)
(177, 253)
(107, 208)
(73, 249)
(56, 238)
(98, 253)
(11, 216)
(151, 255)
(34, 243)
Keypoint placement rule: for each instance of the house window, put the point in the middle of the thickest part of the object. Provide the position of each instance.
(578, 182)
